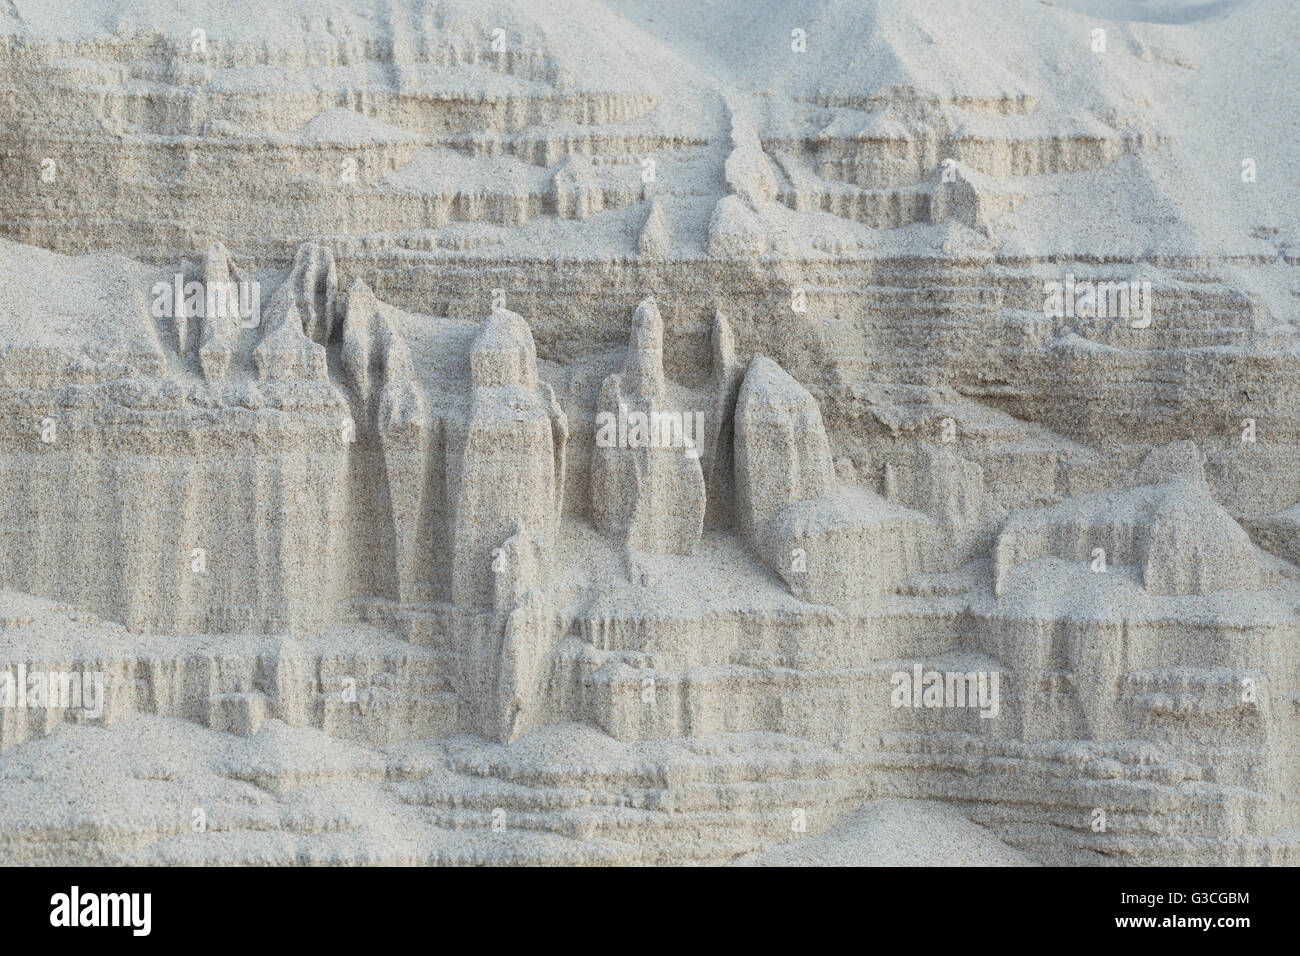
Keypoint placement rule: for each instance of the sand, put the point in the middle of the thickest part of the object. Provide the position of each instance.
(834, 433)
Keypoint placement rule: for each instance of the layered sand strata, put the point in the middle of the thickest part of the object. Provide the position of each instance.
(990, 340)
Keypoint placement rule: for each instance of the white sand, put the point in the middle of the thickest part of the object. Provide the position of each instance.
(366, 580)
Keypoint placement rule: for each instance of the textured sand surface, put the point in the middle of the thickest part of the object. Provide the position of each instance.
(841, 432)
(897, 833)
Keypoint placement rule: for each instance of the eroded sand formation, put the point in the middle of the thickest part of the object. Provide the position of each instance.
(621, 415)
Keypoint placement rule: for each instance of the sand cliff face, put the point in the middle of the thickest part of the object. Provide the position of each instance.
(586, 432)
